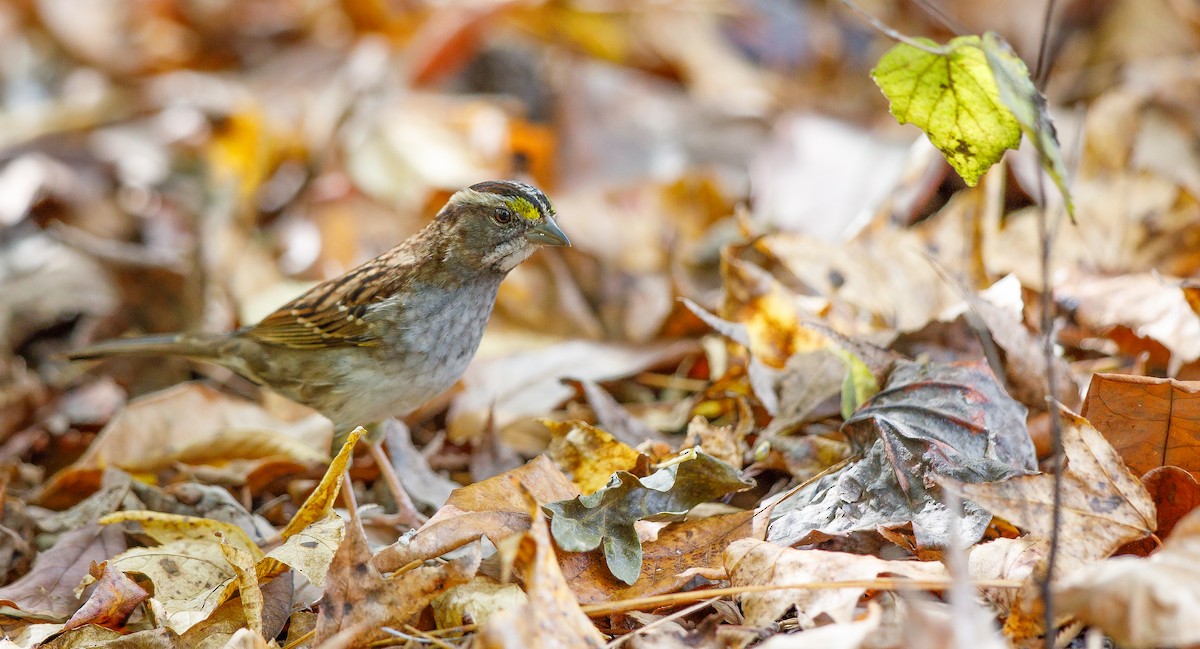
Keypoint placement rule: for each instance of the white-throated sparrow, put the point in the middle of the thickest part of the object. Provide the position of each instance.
(392, 333)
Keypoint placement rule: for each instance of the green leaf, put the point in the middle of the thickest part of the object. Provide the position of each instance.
(607, 516)
(952, 96)
(1029, 107)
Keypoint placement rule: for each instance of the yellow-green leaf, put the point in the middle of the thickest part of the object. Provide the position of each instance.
(952, 96)
(1028, 105)
(859, 384)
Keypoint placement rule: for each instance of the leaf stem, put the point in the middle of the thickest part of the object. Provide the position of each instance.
(892, 33)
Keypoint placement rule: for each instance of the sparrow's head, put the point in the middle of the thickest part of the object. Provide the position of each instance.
(500, 223)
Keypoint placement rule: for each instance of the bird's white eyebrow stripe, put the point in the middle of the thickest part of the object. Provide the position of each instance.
(477, 198)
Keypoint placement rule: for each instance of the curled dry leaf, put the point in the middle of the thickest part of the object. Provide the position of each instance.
(1104, 505)
(752, 563)
(1176, 494)
(552, 617)
(48, 589)
(589, 455)
(1142, 603)
(113, 599)
(319, 503)
(1005, 558)
(725, 443)
(426, 486)
(492, 508)
(358, 600)
(475, 601)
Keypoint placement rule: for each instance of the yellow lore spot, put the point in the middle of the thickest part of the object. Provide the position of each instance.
(523, 208)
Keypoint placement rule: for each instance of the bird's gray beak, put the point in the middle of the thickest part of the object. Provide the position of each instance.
(547, 233)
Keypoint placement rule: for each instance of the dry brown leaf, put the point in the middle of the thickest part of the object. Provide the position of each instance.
(113, 599)
(839, 635)
(189, 578)
(615, 419)
(589, 455)
(1149, 305)
(1005, 558)
(1176, 493)
(1024, 357)
(680, 553)
(722, 442)
(518, 387)
(358, 600)
(1151, 422)
(426, 486)
(1104, 505)
(309, 551)
(49, 587)
(195, 423)
(230, 617)
(165, 528)
(884, 280)
(492, 508)
(475, 601)
(552, 618)
(246, 639)
(753, 562)
(1149, 602)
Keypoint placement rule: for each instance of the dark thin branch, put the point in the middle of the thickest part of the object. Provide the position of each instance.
(1041, 71)
(1047, 304)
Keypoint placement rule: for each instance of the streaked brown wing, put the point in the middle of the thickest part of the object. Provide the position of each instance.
(330, 314)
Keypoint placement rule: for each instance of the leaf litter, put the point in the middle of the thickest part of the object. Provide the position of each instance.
(747, 396)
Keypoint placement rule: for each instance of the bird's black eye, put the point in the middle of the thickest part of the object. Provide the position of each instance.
(502, 215)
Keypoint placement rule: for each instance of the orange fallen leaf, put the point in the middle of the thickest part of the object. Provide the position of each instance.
(1151, 422)
(491, 507)
(1176, 493)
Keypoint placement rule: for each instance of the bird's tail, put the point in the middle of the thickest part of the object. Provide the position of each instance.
(192, 345)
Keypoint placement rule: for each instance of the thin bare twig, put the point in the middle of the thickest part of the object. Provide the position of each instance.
(1046, 305)
(1042, 70)
(882, 583)
(942, 17)
(661, 621)
(892, 33)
